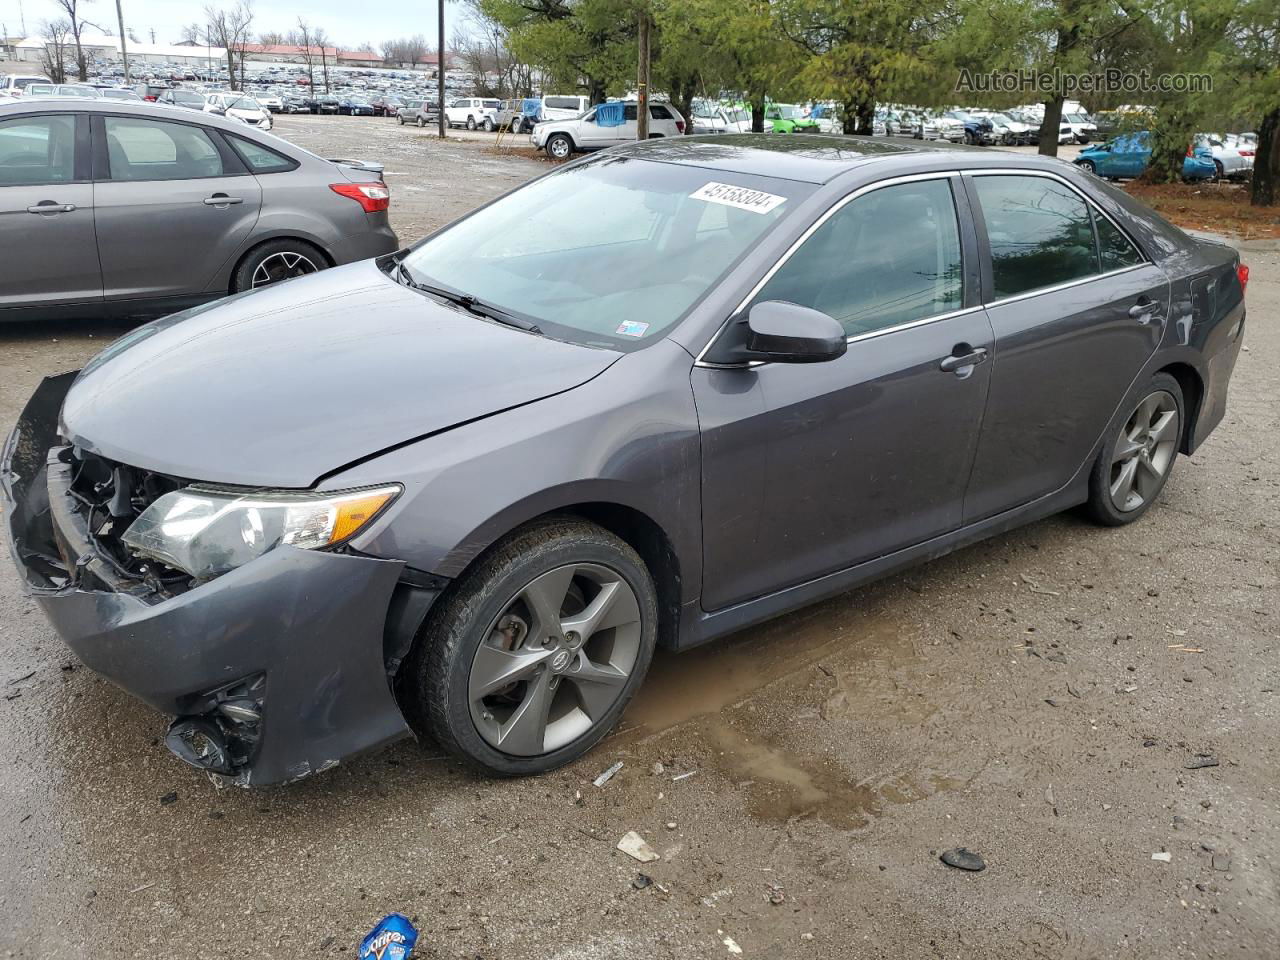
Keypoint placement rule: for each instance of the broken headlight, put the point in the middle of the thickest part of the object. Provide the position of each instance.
(206, 531)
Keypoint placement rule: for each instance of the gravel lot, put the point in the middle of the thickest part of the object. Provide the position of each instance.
(1036, 698)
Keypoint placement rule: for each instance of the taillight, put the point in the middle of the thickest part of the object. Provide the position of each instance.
(1246, 153)
(1242, 271)
(374, 197)
(149, 99)
(1190, 151)
(680, 126)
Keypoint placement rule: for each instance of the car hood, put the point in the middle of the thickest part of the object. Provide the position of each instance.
(281, 386)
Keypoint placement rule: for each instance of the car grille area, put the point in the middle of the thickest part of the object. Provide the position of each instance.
(106, 497)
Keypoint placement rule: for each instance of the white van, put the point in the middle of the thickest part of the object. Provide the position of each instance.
(562, 107)
(16, 84)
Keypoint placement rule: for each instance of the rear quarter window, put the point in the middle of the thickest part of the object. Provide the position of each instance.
(261, 159)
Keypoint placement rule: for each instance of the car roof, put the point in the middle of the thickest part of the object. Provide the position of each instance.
(820, 158)
(148, 111)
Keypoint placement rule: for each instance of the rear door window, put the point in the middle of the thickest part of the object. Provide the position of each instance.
(37, 150)
(159, 150)
(1040, 231)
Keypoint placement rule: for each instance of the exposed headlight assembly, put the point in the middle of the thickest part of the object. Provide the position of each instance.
(206, 531)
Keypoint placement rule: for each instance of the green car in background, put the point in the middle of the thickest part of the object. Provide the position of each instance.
(787, 118)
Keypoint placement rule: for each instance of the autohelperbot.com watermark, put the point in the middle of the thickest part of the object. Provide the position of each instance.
(1058, 82)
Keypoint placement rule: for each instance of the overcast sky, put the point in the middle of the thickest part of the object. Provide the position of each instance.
(349, 24)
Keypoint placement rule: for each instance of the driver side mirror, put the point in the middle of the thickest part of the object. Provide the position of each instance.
(777, 331)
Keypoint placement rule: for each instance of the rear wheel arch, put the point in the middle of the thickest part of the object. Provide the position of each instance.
(1192, 385)
(259, 244)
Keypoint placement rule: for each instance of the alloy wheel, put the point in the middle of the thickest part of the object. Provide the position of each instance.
(282, 266)
(1144, 452)
(555, 660)
(559, 148)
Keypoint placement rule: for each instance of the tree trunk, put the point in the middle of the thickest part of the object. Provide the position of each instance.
(642, 78)
(231, 69)
(595, 90)
(867, 116)
(1049, 127)
(757, 114)
(849, 116)
(682, 100)
(1170, 139)
(1266, 163)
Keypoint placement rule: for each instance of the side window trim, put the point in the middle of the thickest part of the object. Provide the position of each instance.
(232, 165)
(980, 225)
(966, 251)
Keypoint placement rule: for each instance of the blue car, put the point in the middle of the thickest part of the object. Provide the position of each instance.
(1128, 155)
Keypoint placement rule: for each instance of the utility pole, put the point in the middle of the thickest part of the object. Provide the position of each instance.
(440, 74)
(124, 53)
(642, 80)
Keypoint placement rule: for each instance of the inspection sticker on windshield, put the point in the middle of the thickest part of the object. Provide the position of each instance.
(632, 328)
(757, 201)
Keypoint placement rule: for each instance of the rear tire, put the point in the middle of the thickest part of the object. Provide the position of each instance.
(1138, 455)
(1088, 166)
(471, 123)
(1217, 169)
(401, 119)
(488, 125)
(276, 261)
(480, 669)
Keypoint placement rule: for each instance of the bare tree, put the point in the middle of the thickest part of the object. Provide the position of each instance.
(483, 51)
(320, 38)
(53, 58)
(271, 38)
(229, 29)
(405, 51)
(192, 33)
(302, 38)
(75, 26)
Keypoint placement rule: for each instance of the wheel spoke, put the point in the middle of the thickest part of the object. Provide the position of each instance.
(1126, 449)
(1165, 426)
(1122, 486)
(495, 668)
(596, 685)
(545, 597)
(525, 733)
(613, 606)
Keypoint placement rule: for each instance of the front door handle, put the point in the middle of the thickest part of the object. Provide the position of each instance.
(1143, 311)
(48, 206)
(963, 358)
(221, 200)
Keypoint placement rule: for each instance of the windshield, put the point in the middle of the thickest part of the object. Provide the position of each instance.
(244, 103)
(789, 111)
(609, 253)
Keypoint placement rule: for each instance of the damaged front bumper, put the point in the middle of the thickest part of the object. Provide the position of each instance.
(273, 671)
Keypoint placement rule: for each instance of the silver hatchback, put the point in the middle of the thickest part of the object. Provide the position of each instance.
(107, 208)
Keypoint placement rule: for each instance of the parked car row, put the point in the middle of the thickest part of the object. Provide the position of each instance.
(1209, 156)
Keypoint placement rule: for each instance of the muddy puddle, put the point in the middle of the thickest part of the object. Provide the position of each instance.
(701, 685)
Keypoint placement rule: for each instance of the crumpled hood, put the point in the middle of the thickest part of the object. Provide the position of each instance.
(281, 386)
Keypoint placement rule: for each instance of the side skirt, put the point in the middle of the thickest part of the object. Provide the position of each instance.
(698, 627)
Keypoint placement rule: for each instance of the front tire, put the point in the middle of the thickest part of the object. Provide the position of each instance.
(530, 659)
(559, 146)
(488, 125)
(1138, 456)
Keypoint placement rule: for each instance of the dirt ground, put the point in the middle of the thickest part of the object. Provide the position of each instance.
(1039, 698)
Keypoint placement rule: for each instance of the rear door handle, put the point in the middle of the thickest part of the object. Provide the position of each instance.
(963, 357)
(221, 200)
(1143, 311)
(43, 208)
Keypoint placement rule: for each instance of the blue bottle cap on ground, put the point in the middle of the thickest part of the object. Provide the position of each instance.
(392, 939)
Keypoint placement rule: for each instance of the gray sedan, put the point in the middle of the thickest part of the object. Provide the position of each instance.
(650, 398)
(114, 208)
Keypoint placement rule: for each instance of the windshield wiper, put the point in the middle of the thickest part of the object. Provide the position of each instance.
(469, 303)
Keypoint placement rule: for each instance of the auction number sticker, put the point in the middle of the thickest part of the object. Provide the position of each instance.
(744, 198)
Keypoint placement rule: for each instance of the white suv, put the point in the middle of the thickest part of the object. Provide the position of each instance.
(560, 138)
(472, 112)
(14, 85)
